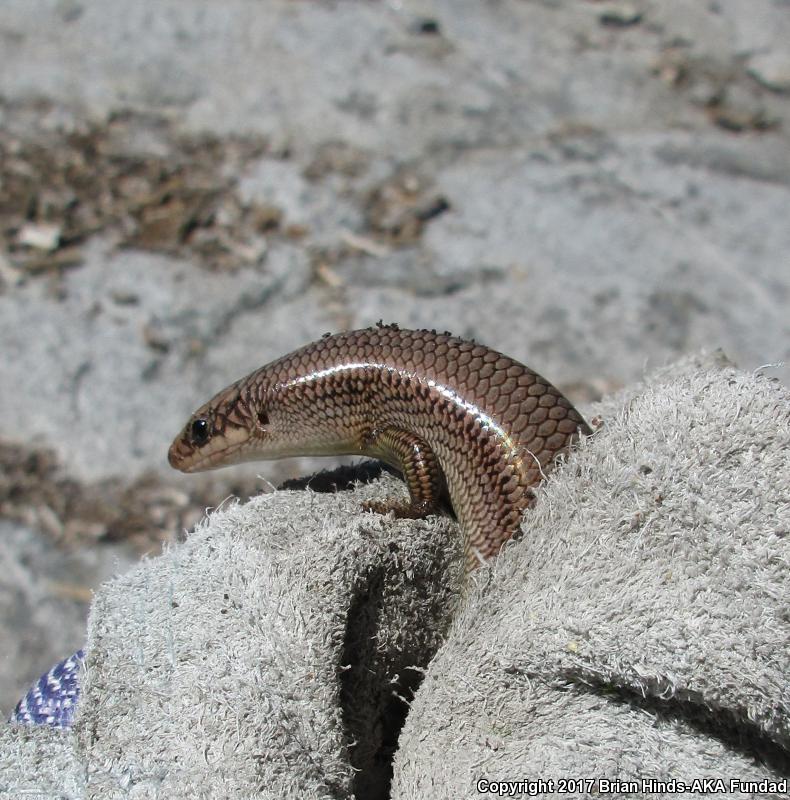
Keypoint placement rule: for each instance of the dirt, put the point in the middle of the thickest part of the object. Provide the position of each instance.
(36, 491)
(133, 178)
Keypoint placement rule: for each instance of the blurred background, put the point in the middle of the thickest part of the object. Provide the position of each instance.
(190, 188)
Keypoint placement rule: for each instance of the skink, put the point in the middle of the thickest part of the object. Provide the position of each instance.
(450, 414)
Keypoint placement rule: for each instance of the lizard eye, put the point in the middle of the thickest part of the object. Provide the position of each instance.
(199, 431)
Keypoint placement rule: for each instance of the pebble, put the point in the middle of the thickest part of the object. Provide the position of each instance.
(771, 70)
(620, 15)
(40, 236)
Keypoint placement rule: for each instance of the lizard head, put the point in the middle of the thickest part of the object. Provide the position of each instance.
(226, 430)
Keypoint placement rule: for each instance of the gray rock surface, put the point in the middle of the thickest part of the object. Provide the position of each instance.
(194, 188)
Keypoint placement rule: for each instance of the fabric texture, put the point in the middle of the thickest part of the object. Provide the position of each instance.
(637, 629)
(54, 697)
(640, 628)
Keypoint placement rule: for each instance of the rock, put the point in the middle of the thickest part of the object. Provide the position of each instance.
(40, 236)
(739, 110)
(8, 275)
(620, 15)
(771, 70)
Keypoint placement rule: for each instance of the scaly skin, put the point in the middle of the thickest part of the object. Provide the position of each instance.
(447, 413)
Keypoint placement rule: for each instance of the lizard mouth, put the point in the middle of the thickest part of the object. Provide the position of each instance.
(219, 451)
